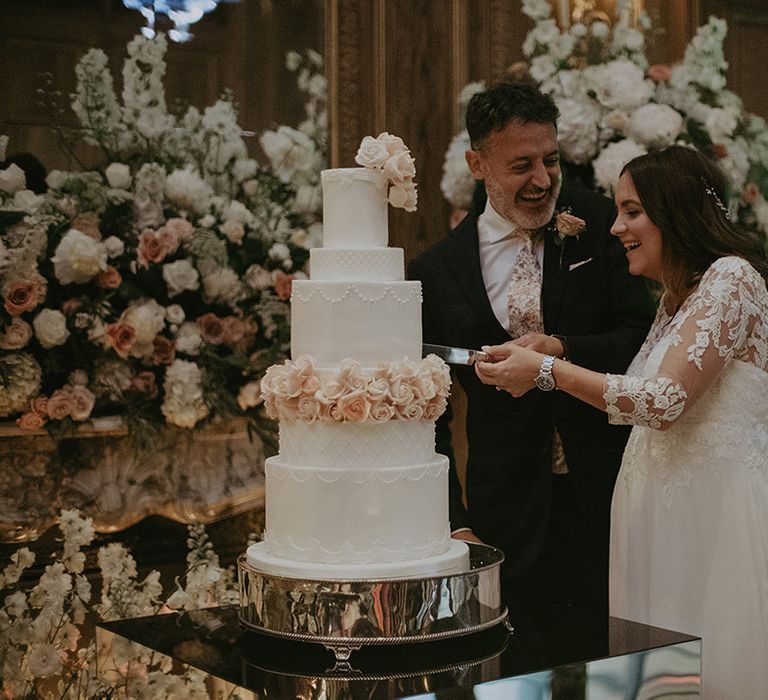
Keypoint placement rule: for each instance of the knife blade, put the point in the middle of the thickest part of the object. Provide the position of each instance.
(454, 356)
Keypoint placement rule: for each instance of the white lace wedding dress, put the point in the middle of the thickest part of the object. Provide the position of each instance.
(689, 530)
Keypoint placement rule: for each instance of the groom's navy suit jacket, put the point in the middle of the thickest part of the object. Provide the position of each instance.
(589, 297)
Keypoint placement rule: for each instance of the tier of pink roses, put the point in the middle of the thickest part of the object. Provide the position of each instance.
(407, 390)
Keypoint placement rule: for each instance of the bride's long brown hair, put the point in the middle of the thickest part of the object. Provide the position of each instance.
(684, 195)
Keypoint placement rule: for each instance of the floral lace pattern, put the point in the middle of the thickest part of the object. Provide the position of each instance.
(725, 319)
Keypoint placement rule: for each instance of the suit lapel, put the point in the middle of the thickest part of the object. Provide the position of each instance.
(463, 260)
(555, 276)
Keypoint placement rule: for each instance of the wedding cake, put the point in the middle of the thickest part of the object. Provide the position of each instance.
(356, 490)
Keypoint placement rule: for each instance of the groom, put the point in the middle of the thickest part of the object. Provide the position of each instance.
(541, 468)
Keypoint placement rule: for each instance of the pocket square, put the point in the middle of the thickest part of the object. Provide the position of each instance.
(573, 266)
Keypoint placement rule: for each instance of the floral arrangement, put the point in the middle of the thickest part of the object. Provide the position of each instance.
(156, 285)
(615, 106)
(407, 390)
(44, 651)
(390, 155)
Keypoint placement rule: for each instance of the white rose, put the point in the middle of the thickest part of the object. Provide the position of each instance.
(600, 30)
(234, 231)
(257, 277)
(12, 179)
(309, 198)
(118, 176)
(404, 197)
(612, 159)
(279, 251)
(181, 276)
(114, 246)
(78, 258)
(174, 313)
(655, 126)
(147, 319)
(236, 212)
(372, 153)
(400, 167)
(189, 339)
(50, 328)
(720, 124)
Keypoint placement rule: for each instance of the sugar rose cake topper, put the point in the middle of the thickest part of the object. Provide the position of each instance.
(389, 154)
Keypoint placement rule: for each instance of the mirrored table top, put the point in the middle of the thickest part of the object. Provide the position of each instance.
(593, 657)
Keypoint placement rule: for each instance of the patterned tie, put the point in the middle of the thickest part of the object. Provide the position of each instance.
(524, 308)
(524, 293)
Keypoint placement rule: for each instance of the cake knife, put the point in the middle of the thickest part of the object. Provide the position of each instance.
(454, 356)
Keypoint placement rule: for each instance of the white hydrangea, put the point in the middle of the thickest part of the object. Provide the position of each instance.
(20, 377)
(78, 258)
(655, 125)
(735, 163)
(184, 404)
(720, 124)
(612, 159)
(457, 183)
(188, 190)
(621, 84)
(223, 285)
(541, 36)
(188, 338)
(578, 129)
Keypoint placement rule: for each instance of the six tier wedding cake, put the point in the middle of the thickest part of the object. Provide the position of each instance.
(356, 490)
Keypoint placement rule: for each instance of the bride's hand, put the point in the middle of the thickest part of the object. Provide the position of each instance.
(511, 368)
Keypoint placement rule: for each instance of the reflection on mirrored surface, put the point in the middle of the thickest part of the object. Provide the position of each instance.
(622, 660)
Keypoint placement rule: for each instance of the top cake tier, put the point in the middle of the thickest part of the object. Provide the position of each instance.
(354, 208)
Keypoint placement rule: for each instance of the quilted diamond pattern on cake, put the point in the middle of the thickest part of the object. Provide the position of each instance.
(389, 444)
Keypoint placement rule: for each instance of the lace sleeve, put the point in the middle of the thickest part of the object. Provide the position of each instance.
(723, 319)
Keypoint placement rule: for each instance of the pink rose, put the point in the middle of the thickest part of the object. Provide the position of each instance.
(308, 409)
(82, 401)
(145, 383)
(569, 225)
(31, 421)
(354, 407)
(39, 405)
(378, 389)
(121, 337)
(168, 238)
(411, 411)
(70, 306)
(435, 408)
(59, 405)
(16, 335)
(212, 328)
(719, 150)
(181, 228)
(751, 193)
(331, 389)
(21, 297)
(283, 284)
(234, 329)
(165, 350)
(381, 412)
(659, 72)
(109, 278)
(151, 248)
(401, 393)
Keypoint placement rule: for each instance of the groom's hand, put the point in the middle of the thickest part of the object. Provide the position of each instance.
(539, 342)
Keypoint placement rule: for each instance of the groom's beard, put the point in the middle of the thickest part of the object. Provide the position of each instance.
(523, 217)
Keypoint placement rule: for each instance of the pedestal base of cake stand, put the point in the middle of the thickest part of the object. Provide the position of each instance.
(344, 615)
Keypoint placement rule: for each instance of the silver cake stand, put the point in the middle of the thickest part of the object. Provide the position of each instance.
(345, 615)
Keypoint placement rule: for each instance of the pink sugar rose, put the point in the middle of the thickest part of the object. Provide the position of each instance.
(21, 297)
(283, 284)
(286, 382)
(331, 389)
(381, 412)
(59, 405)
(165, 350)
(31, 421)
(392, 143)
(372, 153)
(354, 407)
(378, 389)
(659, 72)
(212, 328)
(435, 408)
(401, 392)
(411, 411)
(400, 168)
(151, 248)
(109, 278)
(350, 375)
(82, 401)
(121, 337)
(308, 409)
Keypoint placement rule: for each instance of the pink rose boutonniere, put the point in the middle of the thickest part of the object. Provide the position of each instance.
(566, 226)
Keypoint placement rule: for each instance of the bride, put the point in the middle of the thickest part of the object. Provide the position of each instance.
(689, 521)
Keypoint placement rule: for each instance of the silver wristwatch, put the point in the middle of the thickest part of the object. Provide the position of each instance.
(544, 379)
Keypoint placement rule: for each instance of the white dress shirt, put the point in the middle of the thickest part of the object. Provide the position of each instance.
(499, 247)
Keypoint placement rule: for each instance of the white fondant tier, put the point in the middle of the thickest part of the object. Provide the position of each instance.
(455, 560)
(383, 264)
(369, 321)
(393, 443)
(354, 208)
(336, 515)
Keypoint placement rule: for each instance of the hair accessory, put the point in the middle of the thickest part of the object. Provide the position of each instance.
(718, 202)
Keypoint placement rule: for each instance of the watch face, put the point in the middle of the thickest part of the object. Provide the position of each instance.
(545, 382)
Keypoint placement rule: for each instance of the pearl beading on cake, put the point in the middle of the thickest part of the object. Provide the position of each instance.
(392, 291)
